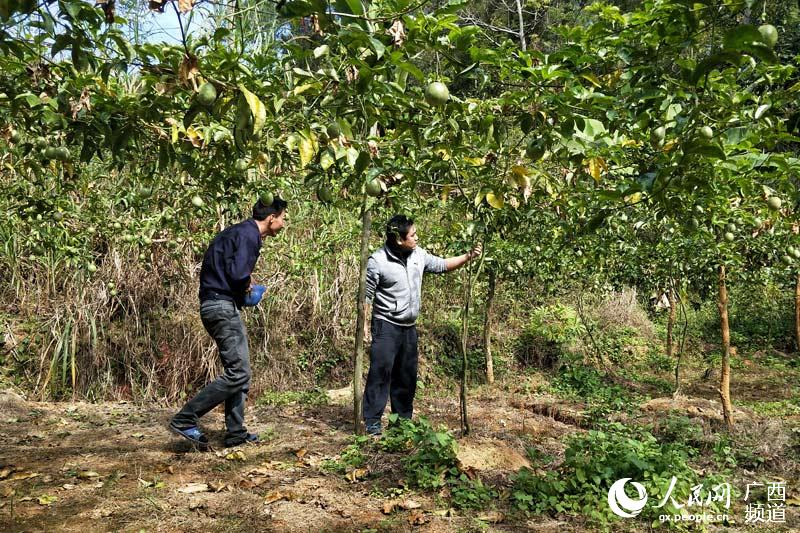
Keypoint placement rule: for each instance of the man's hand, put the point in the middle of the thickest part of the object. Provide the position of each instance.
(476, 251)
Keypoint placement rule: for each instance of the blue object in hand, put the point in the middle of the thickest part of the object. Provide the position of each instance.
(254, 295)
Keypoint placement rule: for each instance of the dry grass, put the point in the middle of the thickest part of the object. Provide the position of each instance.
(622, 309)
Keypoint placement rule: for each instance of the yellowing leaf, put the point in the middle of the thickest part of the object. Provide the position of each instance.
(591, 78)
(257, 108)
(495, 200)
(46, 499)
(300, 89)
(475, 161)
(519, 170)
(356, 475)
(195, 137)
(445, 193)
(597, 166)
(629, 142)
(633, 198)
(669, 146)
(236, 456)
(479, 198)
(306, 149)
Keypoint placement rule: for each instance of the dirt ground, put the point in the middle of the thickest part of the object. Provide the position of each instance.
(114, 467)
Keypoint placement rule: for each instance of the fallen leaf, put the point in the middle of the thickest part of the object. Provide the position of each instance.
(68, 486)
(410, 504)
(193, 488)
(258, 472)
(301, 453)
(26, 499)
(444, 512)
(356, 475)
(493, 517)
(87, 474)
(98, 485)
(7, 491)
(236, 456)
(138, 435)
(4, 473)
(196, 504)
(277, 495)
(794, 502)
(23, 475)
(389, 507)
(219, 486)
(417, 518)
(46, 499)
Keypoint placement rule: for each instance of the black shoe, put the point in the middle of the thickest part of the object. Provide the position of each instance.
(250, 438)
(374, 428)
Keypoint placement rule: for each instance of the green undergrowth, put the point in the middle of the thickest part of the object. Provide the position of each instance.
(595, 460)
(279, 398)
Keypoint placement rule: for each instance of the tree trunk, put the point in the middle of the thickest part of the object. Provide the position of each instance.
(464, 361)
(358, 359)
(522, 43)
(797, 311)
(725, 378)
(670, 321)
(487, 328)
(472, 273)
(680, 350)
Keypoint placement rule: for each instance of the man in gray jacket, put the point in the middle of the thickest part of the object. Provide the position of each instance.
(394, 289)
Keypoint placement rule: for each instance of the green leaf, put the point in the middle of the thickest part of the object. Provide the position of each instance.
(60, 43)
(353, 7)
(256, 107)
(326, 160)
(707, 150)
(124, 46)
(715, 61)
(30, 98)
(411, 69)
(746, 38)
(361, 163)
(377, 46)
(592, 128)
(321, 50)
(741, 36)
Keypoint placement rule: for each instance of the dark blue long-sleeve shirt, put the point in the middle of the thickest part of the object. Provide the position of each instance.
(229, 261)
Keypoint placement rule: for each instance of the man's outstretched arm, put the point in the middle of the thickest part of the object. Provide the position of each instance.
(452, 263)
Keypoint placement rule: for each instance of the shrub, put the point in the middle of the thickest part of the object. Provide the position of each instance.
(594, 461)
(432, 463)
(554, 331)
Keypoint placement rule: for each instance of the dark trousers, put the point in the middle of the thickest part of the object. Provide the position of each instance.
(392, 370)
(224, 323)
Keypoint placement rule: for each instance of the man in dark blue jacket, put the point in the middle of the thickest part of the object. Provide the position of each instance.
(224, 282)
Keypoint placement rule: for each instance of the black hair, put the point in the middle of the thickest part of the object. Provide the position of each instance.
(261, 211)
(398, 228)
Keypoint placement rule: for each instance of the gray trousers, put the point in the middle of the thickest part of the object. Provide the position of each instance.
(224, 323)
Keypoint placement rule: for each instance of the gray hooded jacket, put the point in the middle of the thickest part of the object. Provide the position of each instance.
(393, 288)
